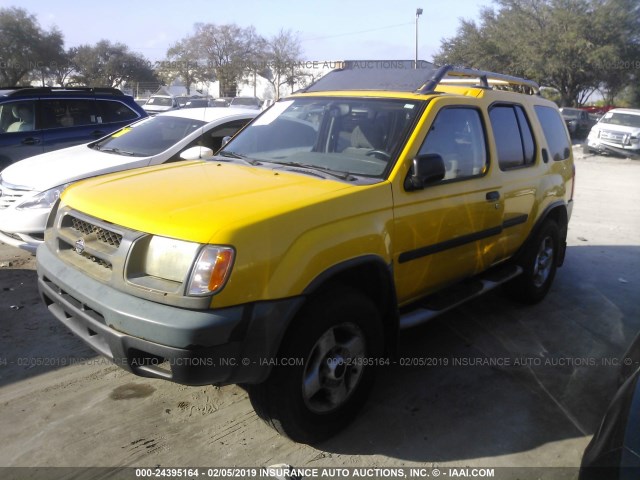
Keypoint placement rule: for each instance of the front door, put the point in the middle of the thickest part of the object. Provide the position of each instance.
(448, 230)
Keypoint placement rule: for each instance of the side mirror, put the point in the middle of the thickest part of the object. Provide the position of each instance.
(196, 153)
(426, 169)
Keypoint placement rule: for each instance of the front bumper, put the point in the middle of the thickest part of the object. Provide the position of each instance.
(631, 151)
(21, 240)
(23, 228)
(191, 347)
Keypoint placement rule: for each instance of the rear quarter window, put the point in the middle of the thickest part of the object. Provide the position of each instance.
(554, 131)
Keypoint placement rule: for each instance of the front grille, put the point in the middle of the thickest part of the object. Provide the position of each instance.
(613, 136)
(102, 234)
(98, 261)
(10, 196)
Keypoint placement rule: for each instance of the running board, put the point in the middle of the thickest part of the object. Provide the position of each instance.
(456, 295)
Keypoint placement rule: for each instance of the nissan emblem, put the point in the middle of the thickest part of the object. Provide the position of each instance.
(79, 246)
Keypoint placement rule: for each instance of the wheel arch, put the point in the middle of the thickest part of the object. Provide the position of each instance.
(372, 276)
(557, 212)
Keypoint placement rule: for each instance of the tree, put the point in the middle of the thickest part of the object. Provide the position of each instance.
(620, 62)
(53, 57)
(227, 53)
(61, 71)
(110, 65)
(183, 61)
(565, 44)
(24, 46)
(283, 60)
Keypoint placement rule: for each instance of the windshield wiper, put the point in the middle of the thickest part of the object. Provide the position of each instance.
(117, 151)
(334, 173)
(237, 156)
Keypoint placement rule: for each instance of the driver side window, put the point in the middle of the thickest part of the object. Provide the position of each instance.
(457, 135)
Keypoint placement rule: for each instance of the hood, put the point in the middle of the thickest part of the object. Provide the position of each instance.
(197, 200)
(52, 169)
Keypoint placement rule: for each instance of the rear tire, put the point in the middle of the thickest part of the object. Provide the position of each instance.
(539, 262)
(335, 334)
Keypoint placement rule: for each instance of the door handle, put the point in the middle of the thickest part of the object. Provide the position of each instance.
(97, 133)
(493, 196)
(31, 141)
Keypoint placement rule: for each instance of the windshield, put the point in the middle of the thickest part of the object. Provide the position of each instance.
(624, 119)
(350, 136)
(244, 101)
(148, 137)
(160, 101)
(568, 113)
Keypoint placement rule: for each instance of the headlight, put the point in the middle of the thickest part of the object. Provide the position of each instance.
(179, 267)
(211, 270)
(169, 258)
(45, 199)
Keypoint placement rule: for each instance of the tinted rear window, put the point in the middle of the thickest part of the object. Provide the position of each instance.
(554, 131)
(514, 141)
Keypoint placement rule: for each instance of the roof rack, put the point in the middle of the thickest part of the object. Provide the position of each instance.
(486, 79)
(406, 75)
(44, 90)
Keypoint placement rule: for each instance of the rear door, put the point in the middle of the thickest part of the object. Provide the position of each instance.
(19, 138)
(517, 159)
(69, 121)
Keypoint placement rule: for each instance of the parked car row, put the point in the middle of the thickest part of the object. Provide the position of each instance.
(29, 188)
(162, 103)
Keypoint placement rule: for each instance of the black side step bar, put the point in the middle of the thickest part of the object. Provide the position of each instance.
(456, 295)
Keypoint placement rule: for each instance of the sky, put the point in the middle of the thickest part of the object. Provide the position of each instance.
(327, 29)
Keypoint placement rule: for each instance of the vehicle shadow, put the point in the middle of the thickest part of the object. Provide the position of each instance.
(495, 377)
(32, 341)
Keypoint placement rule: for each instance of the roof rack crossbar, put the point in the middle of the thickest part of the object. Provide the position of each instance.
(483, 76)
(39, 90)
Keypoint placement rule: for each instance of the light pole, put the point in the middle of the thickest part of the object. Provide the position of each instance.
(418, 13)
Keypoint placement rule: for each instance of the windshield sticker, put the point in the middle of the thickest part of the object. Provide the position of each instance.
(274, 112)
(409, 106)
(121, 132)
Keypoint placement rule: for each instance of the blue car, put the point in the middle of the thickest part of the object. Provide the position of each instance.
(39, 120)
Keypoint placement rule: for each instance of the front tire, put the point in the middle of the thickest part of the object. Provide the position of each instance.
(539, 262)
(335, 334)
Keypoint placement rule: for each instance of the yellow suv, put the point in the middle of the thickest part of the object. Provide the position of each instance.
(371, 201)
